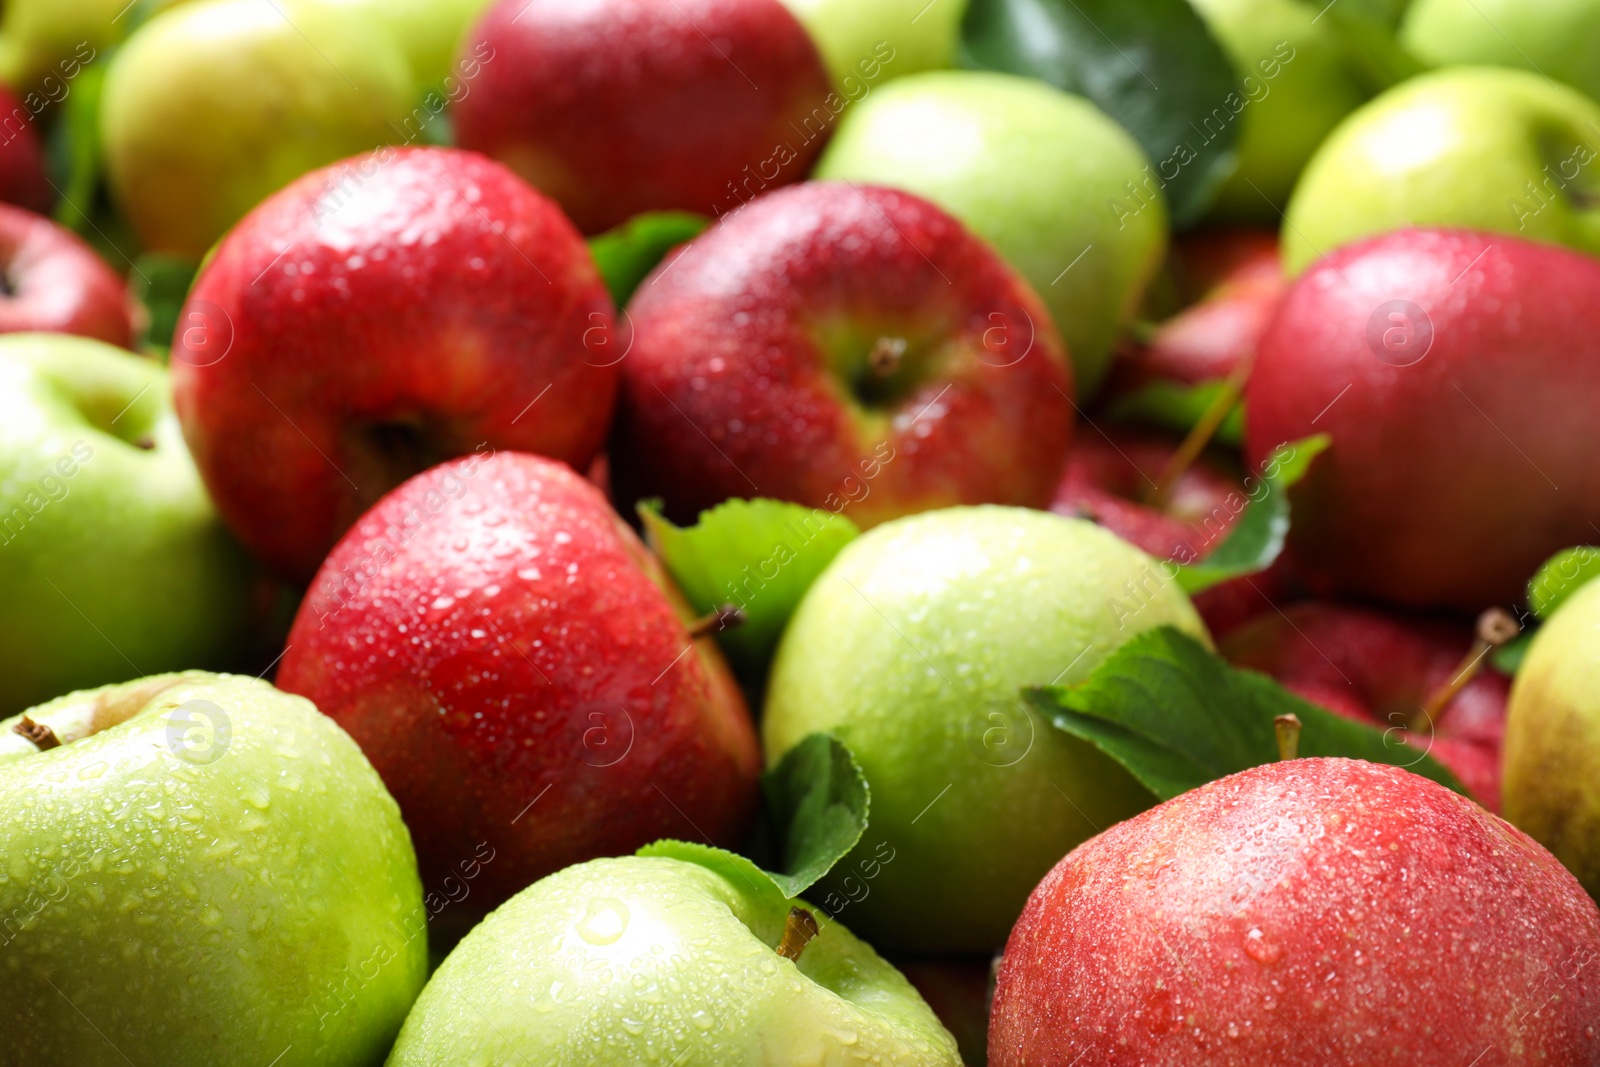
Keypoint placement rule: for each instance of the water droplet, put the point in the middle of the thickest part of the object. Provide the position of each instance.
(1258, 948)
(605, 921)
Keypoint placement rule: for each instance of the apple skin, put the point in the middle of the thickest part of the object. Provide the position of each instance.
(513, 661)
(1552, 750)
(1031, 170)
(1456, 148)
(112, 560)
(23, 180)
(1379, 668)
(326, 353)
(1440, 487)
(655, 958)
(614, 107)
(719, 402)
(188, 890)
(1300, 913)
(42, 40)
(911, 648)
(429, 32)
(311, 83)
(1555, 38)
(868, 44)
(57, 284)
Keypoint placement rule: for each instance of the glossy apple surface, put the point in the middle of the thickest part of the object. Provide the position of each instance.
(23, 180)
(513, 662)
(1300, 913)
(1458, 375)
(911, 648)
(58, 284)
(1555, 38)
(753, 369)
(374, 318)
(205, 870)
(613, 107)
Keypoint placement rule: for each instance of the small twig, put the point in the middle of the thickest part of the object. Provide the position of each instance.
(724, 618)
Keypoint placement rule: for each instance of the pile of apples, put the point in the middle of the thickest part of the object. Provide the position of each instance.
(554, 532)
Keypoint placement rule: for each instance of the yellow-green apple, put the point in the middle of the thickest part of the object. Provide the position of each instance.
(23, 180)
(658, 959)
(55, 283)
(200, 869)
(112, 560)
(614, 107)
(1552, 753)
(1060, 189)
(45, 44)
(1554, 38)
(376, 317)
(1476, 147)
(515, 664)
(429, 33)
(1458, 374)
(867, 44)
(308, 82)
(1299, 913)
(911, 648)
(842, 346)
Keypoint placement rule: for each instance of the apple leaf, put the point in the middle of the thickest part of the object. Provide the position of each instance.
(74, 148)
(1176, 716)
(1152, 65)
(1560, 576)
(1257, 538)
(1175, 406)
(628, 253)
(817, 800)
(730, 865)
(161, 283)
(758, 555)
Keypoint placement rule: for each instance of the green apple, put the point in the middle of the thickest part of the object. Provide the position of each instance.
(1060, 189)
(664, 960)
(1294, 87)
(1479, 148)
(112, 561)
(210, 106)
(1551, 761)
(1557, 38)
(43, 39)
(865, 45)
(911, 648)
(199, 869)
(429, 31)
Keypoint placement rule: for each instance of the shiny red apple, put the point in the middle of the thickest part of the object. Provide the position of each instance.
(515, 665)
(55, 283)
(614, 107)
(23, 178)
(376, 317)
(1310, 912)
(848, 347)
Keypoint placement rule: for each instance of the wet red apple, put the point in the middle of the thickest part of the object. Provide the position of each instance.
(55, 283)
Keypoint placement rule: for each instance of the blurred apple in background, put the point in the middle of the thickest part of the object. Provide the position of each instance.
(55, 283)
(1554, 38)
(1301, 912)
(112, 561)
(307, 83)
(515, 664)
(429, 32)
(1477, 147)
(377, 317)
(41, 40)
(897, 364)
(868, 44)
(613, 107)
(23, 180)
(1030, 169)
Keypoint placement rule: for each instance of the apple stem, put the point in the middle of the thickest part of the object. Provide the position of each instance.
(1496, 626)
(1205, 428)
(724, 618)
(798, 930)
(884, 359)
(43, 738)
(1287, 729)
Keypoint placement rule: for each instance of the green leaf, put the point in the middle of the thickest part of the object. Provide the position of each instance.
(1150, 64)
(75, 149)
(161, 282)
(759, 555)
(1177, 716)
(732, 866)
(628, 253)
(1560, 576)
(1175, 406)
(1256, 540)
(1507, 659)
(818, 801)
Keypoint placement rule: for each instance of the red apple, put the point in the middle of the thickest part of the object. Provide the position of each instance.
(373, 318)
(515, 665)
(55, 283)
(614, 107)
(1458, 374)
(23, 180)
(1381, 669)
(846, 347)
(1311, 912)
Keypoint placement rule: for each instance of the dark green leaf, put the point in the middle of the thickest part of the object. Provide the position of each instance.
(1150, 64)
(1175, 406)
(817, 800)
(1562, 575)
(1507, 659)
(627, 254)
(1177, 716)
(161, 282)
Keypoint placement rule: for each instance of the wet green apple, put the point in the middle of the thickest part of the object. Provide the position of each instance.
(1557, 38)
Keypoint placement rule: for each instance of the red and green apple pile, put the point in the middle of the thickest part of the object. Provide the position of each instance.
(729, 533)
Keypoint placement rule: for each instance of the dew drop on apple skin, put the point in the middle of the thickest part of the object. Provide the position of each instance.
(605, 922)
(1258, 948)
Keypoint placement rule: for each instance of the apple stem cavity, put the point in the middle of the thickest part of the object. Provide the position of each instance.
(798, 930)
(1287, 730)
(1496, 627)
(725, 617)
(886, 354)
(1204, 429)
(42, 737)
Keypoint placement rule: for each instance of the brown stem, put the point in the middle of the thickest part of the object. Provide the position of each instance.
(1202, 433)
(724, 618)
(43, 738)
(1287, 729)
(885, 357)
(798, 930)
(1496, 626)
